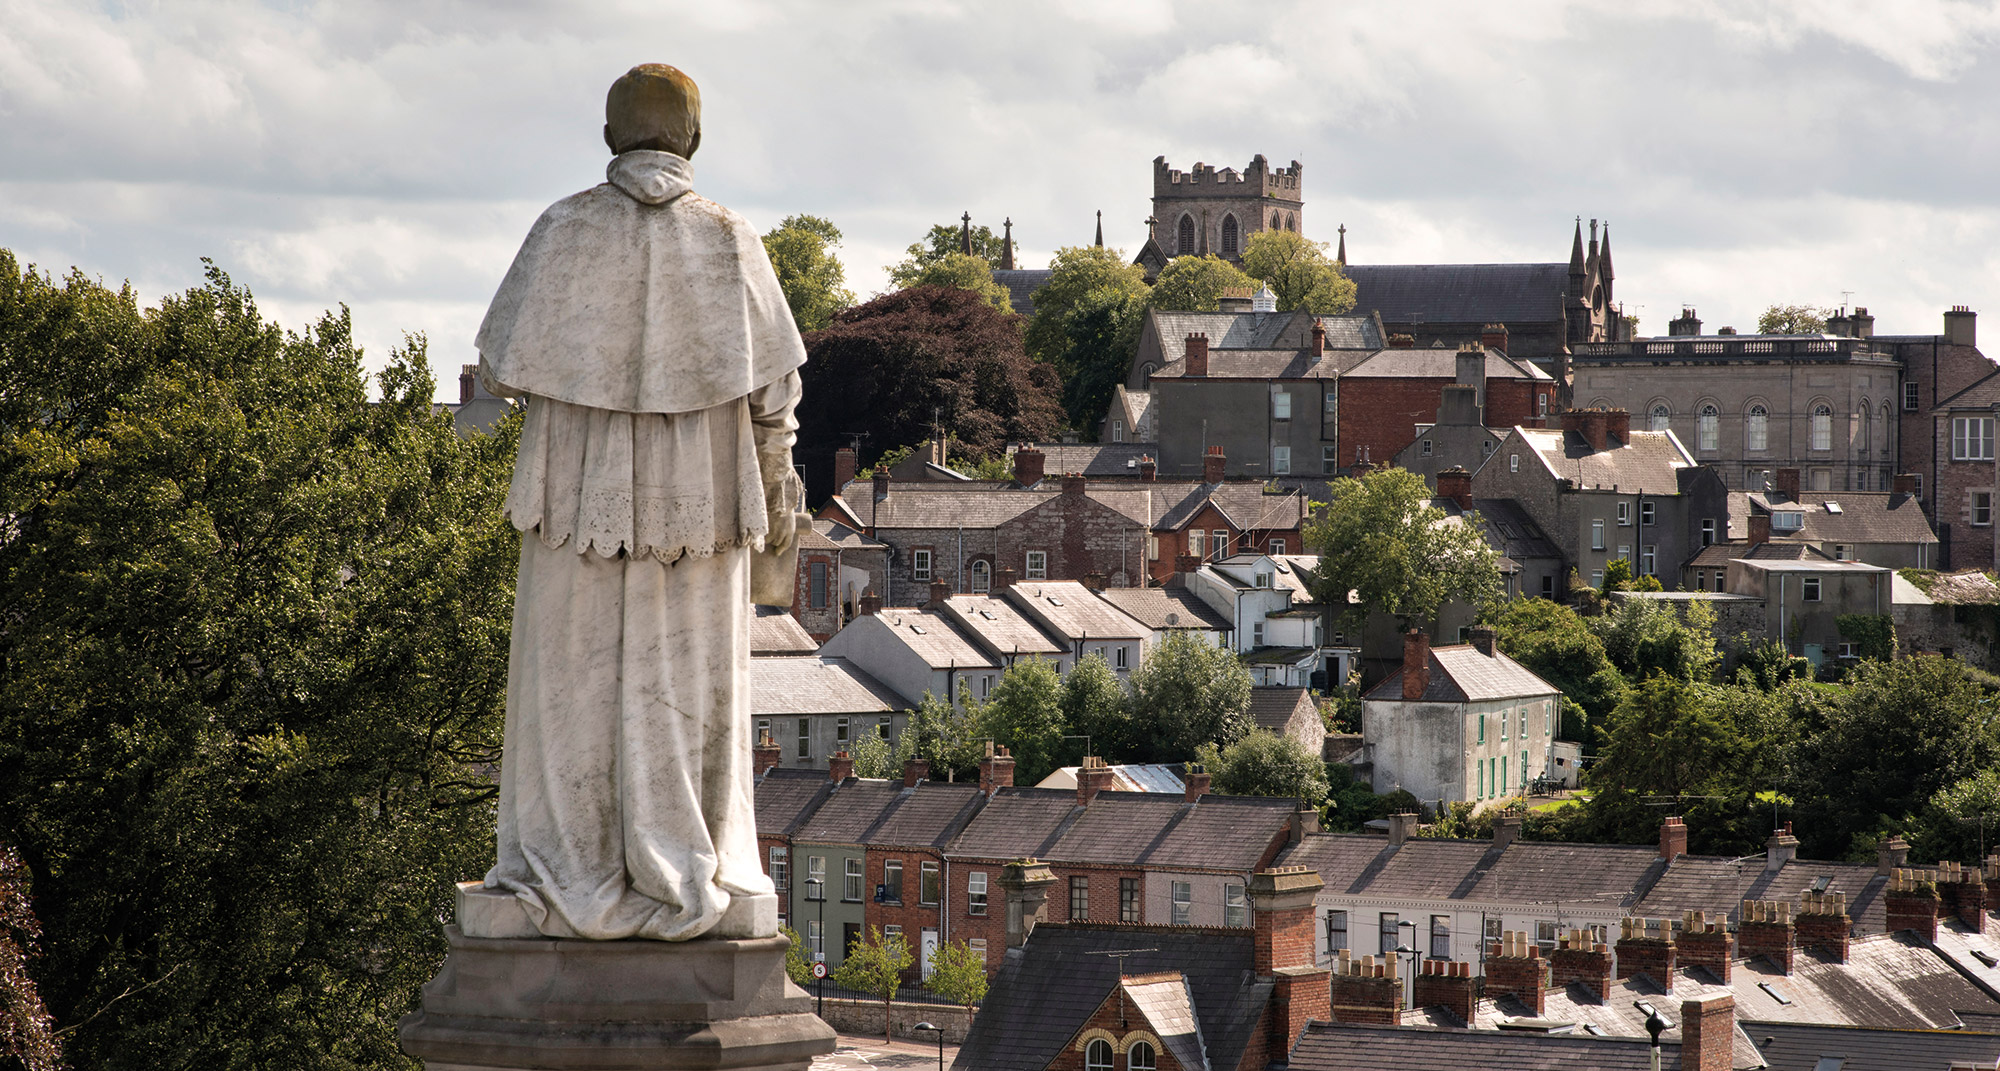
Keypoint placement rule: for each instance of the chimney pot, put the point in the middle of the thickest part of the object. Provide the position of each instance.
(766, 755)
(996, 770)
(1416, 665)
(840, 767)
(1494, 337)
(1149, 469)
(1197, 355)
(1091, 778)
(1028, 466)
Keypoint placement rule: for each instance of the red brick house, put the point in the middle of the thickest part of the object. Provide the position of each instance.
(1385, 397)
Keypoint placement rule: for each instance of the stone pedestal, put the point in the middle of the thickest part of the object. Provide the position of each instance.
(538, 1002)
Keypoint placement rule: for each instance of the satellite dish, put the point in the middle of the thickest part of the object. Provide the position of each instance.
(1173, 619)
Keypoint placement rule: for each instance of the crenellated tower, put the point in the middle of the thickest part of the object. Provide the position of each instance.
(1215, 210)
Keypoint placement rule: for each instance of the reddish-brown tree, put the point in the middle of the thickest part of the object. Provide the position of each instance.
(884, 368)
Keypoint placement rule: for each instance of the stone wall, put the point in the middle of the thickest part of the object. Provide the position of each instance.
(864, 1018)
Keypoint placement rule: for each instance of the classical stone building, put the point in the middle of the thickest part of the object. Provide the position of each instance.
(1750, 404)
(1209, 210)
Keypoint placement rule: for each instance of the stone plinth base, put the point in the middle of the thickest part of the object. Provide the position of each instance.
(487, 912)
(587, 1005)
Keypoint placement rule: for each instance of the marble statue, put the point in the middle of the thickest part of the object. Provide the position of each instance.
(646, 330)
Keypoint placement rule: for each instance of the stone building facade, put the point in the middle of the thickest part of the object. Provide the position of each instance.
(1749, 404)
(1215, 210)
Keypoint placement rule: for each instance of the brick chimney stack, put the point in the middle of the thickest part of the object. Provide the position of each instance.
(1646, 945)
(1195, 786)
(1760, 529)
(765, 756)
(1149, 469)
(871, 603)
(1186, 563)
(1705, 942)
(840, 767)
(845, 464)
(468, 383)
(1095, 580)
(1073, 484)
(1618, 425)
(881, 482)
(1964, 894)
(1912, 903)
(915, 772)
(1961, 326)
(1764, 928)
(1028, 463)
(1402, 342)
(1365, 990)
(1091, 778)
(1588, 423)
(1785, 481)
(1514, 965)
(1197, 355)
(1494, 337)
(1890, 856)
(1416, 664)
(1004, 578)
(1580, 957)
(1483, 640)
(1506, 829)
(1823, 923)
(940, 591)
(1456, 484)
(1213, 463)
(1708, 1033)
(1904, 483)
(1448, 983)
(1673, 839)
(1319, 338)
(1282, 899)
(996, 770)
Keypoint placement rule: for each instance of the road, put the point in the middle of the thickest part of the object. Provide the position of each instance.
(862, 1053)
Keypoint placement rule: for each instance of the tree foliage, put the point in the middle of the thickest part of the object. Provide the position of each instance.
(1647, 636)
(1263, 763)
(958, 973)
(1794, 320)
(1196, 284)
(941, 241)
(1186, 694)
(970, 274)
(950, 738)
(1025, 715)
(1675, 746)
(875, 965)
(251, 675)
(1382, 539)
(885, 368)
(27, 1035)
(798, 960)
(1094, 706)
(1086, 323)
(801, 251)
(1558, 646)
(1298, 272)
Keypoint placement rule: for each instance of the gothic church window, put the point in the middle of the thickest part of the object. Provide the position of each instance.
(1291, 222)
(1277, 222)
(1185, 243)
(1228, 235)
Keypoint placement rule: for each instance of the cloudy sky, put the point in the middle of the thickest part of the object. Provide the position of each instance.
(390, 156)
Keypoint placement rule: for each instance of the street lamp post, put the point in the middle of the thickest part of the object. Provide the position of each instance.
(1409, 993)
(819, 954)
(939, 1031)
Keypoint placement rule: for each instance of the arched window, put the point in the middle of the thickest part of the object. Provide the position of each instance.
(1708, 430)
(1277, 222)
(982, 578)
(1658, 419)
(1097, 1055)
(1822, 427)
(1291, 222)
(1185, 244)
(1867, 436)
(1757, 429)
(1146, 374)
(1882, 438)
(1139, 1057)
(1228, 235)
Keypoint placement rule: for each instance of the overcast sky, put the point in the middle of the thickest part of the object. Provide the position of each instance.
(390, 156)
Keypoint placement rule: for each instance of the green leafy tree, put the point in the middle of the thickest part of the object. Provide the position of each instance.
(1704, 749)
(1617, 576)
(958, 973)
(801, 251)
(948, 737)
(252, 672)
(1196, 284)
(942, 241)
(966, 273)
(1298, 272)
(1556, 645)
(1087, 322)
(1960, 822)
(1381, 539)
(1262, 763)
(1093, 705)
(27, 1035)
(1647, 636)
(1075, 273)
(875, 965)
(1350, 802)
(1904, 731)
(1794, 320)
(1188, 693)
(1025, 715)
(1767, 664)
(798, 961)
(873, 757)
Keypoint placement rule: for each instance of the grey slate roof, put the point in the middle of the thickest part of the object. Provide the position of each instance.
(1460, 674)
(1021, 284)
(1046, 990)
(1648, 461)
(1166, 608)
(883, 813)
(775, 632)
(1095, 459)
(818, 684)
(1461, 293)
(932, 638)
(1163, 830)
(1270, 364)
(1801, 1047)
(1358, 1047)
(1016, 822)
(786, 798)
(1511, 531)
(1473, 870)
(835, 534)
(1863, 517)
(1719, 886)
(1274, 706)
(1000, 627)
(1719, 555)
(1426, 362)
(1165, 504)
(1073, 611)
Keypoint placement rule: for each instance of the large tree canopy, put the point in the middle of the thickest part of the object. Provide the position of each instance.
(1196, 284)
(252, 670)
(1086, 323)
(1299, 272)
(1381, 539)
(801, 250)
(1793, 320)
(884, 369)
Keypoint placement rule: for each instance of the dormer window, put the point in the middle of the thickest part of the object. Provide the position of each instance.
(1787, 520)
(1263, 580)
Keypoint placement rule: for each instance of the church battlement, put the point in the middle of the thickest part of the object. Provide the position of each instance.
(1258, 179)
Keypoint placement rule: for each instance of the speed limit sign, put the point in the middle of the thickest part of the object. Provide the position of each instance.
(819, 970)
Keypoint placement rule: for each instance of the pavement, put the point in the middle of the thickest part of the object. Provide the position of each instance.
(860, 1052)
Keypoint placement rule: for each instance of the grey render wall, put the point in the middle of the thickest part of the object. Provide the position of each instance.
(823, 735)
(1197, 412)
(838, 910)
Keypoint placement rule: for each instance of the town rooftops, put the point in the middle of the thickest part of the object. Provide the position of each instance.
(930, 636)
(1851, 517)
(1648, 461)
(1719, 886)
(786, 798)
(1461, 293)
(775, 632)
(1809, 1047)
(1721, 554)
(1164, 505)
(1000, 626)
(1094, 460)
(1125, 777)
(1437, 362)
(1462, 674)
(1610, 875)
(1073, 612)
(1361, 1047)
(837, 535)
(1021, 284)
(1286, 331)
(1295, 364)
(1165, 609)
(1274, 706)
(1166, 1004)
(1016, 822)
(1152, 829)
(817, 684)
(1047, 989)
(882, 813)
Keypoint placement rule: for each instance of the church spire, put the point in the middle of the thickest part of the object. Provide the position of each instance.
(1100, 228)
(1007, 245)
(1604, 261)
(1340, 257)
(1576, 249)
(965, 234)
